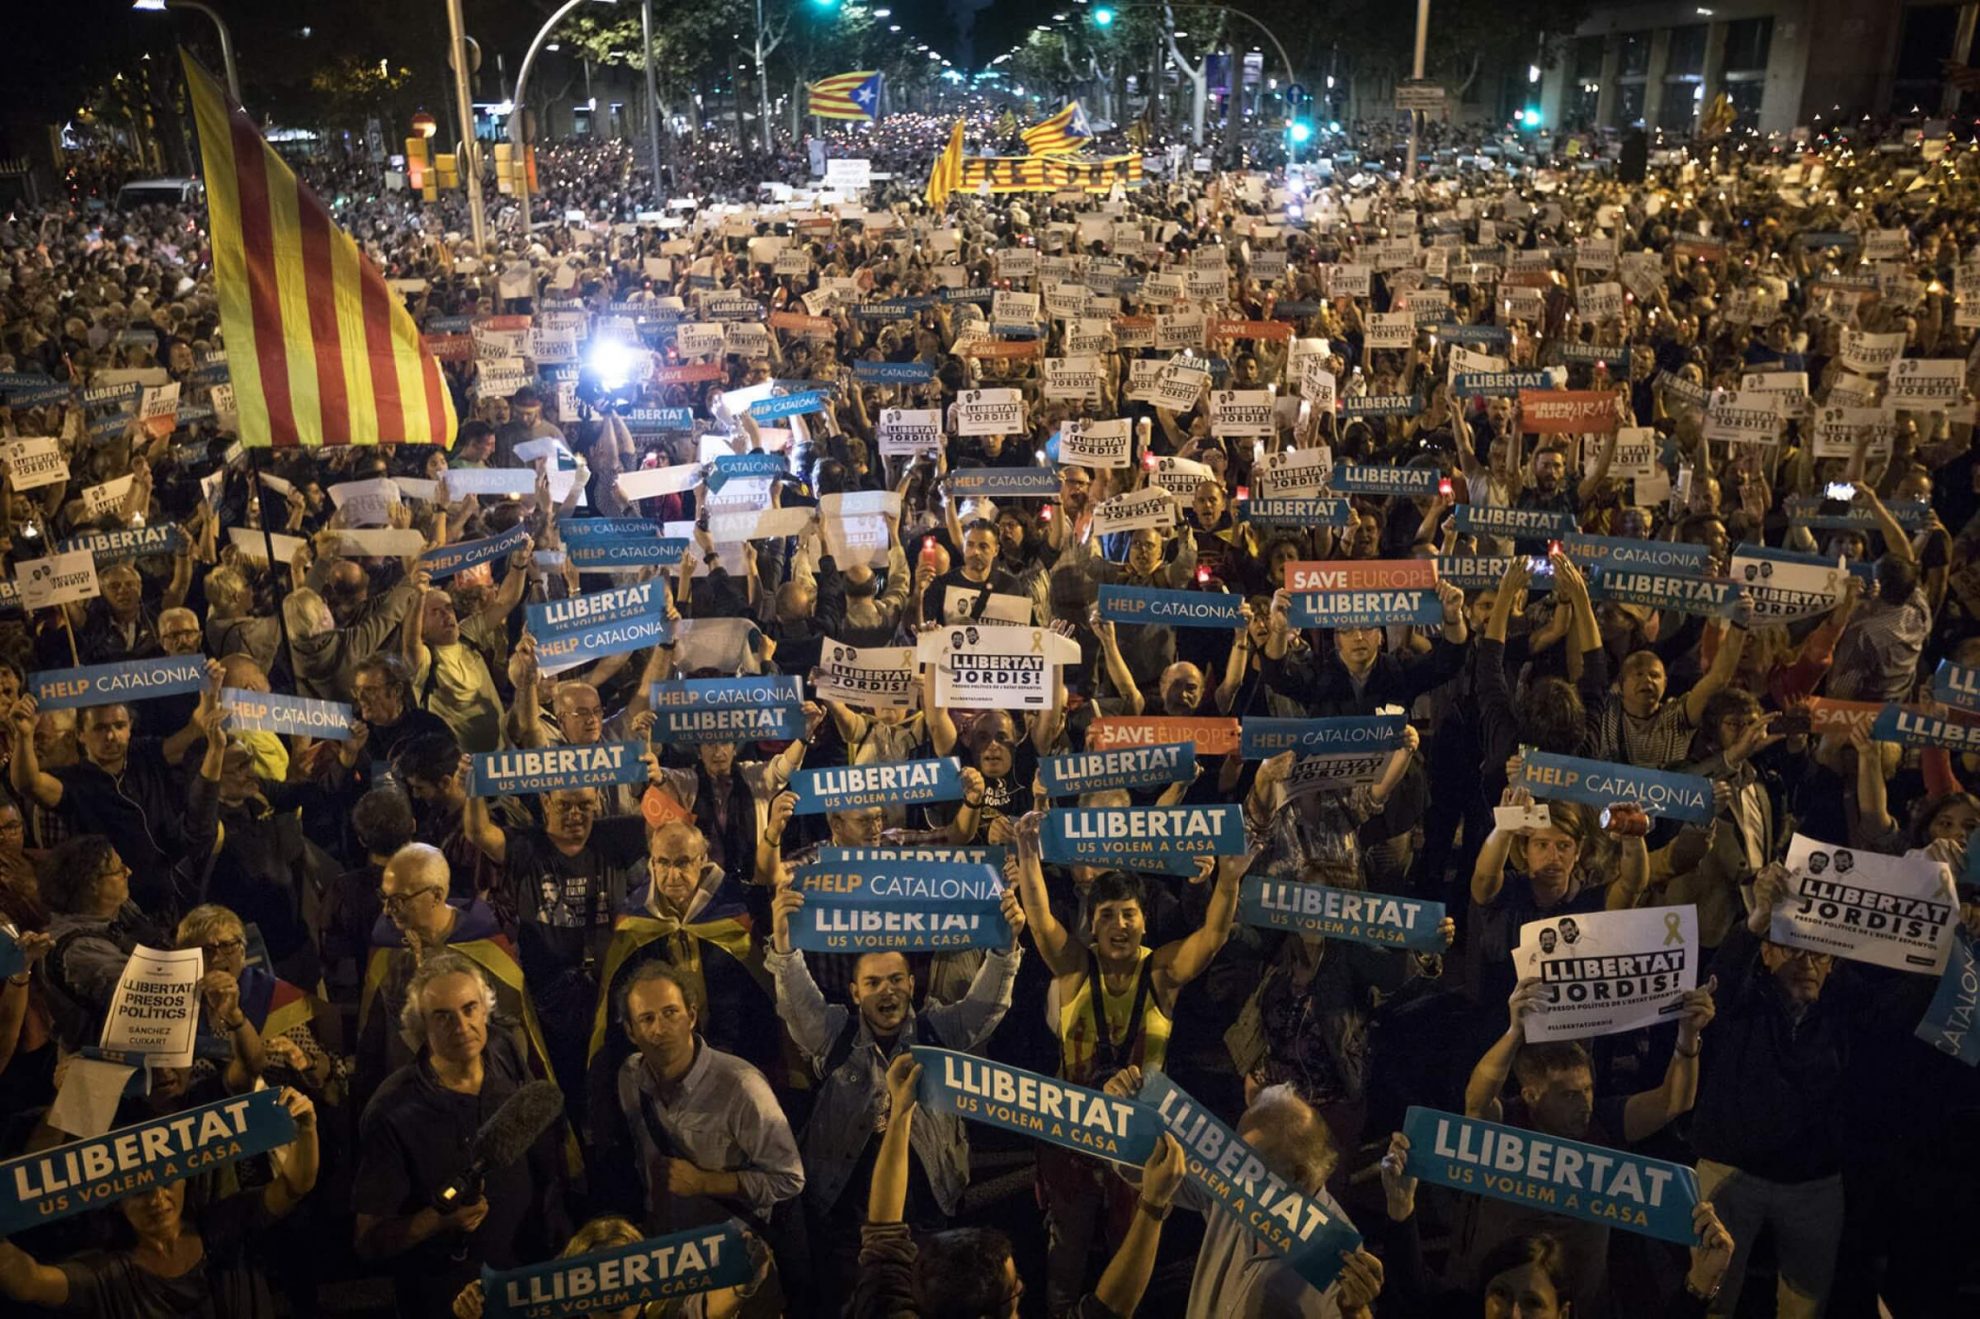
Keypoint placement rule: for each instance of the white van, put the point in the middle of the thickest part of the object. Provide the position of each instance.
(152, 192)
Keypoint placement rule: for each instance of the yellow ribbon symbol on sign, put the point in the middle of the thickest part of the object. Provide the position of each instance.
(1672, 932)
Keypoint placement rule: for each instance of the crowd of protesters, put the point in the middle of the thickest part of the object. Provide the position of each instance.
(399, 955)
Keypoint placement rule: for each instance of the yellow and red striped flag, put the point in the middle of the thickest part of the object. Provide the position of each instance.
(946, 176)
(320, 351)
(853, 95)
(1061, 134)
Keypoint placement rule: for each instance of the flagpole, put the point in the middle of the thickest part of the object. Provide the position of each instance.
(257, 465)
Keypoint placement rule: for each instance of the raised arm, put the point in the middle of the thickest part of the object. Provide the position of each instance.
(1650, 1111)
(1725, 665)
(1178, 963)
(479, 827)
(24, 769)
(1055, 944)
(1488, 1077)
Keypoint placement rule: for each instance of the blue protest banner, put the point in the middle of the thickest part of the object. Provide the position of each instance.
(12, 380)
(788, 405)
(1229, 1173)
(1041, 1107)
(736, 466)
(1957, 686)
(560, 651)
(980, 856)
(1615, 357)
(1332, 913)
(1914, 728)
(1453, 333)
(12, 960)
(850, 787)
(1600, 783)
(444, 562)
(1165, 838)
(121, 397)
(1147, 604)
(1948, 1024)
(1127, 767)
(1808, 511)
(114, 424)
(1336, 514)
(546, 769)
(894, 373)
(693, 711)
(107, 684)
(1475, 572)
(701, 1259)
(269, 712)
(1525, 523)
(1665, 556)
(899, 906)
(1704, 597)
(892, 309)
(978, 293)
(1294, 309)
(39, 397)
(1264, 737)
(1381, 479)
(652, 421)
(85, 1174)
(1339, 609)
(578, 613)
(578, 531)
(449, 324)
(1647, 1196)
(1382, 405)
(603, 555)
(111, 546)
(1506, 384)
(1003, 483)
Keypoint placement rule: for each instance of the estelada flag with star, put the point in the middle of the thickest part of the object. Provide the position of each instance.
(854, 95)
(319, 350)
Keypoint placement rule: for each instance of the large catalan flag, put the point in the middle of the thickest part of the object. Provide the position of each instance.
(1061, 134)
(320, 350)
(854, 95)
(946, 175)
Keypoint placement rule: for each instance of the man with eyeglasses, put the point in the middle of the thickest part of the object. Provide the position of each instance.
(420, 921)
(381, 692)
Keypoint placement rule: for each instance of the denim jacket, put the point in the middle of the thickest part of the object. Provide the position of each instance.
(852, 1101)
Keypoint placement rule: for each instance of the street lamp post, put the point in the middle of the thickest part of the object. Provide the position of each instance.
(1104, 17)
(468, 159)
(517, 133)
(652, 96)
(219, 24)
(1416, 116)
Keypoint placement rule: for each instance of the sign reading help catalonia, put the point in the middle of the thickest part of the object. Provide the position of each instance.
(903, 906)
(105, 684)
(267, 712)
(1601, 783)
(1057, 1112)
(692, 711)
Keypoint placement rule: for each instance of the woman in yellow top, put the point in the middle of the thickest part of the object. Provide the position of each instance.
(1111, 1005)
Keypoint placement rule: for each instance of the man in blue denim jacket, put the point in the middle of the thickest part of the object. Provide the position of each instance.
(849, 1049)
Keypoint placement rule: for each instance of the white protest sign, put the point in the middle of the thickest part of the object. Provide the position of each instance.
(963, 604)
(1871, 354)
(250, 544)
(34, 462)
(1606, 972)
(1073, 378)
(1294, 473)
(1636, 454)
(1788, 389)
(989, 412)
(1742, 417)
(1390, 329)
(992, 667)
(1180, 383)
(855, 525)
(1926, 383)
(106, 498)
(59, 579)
(701, 338)
(379, 542)
(758, 524)
(1089, 334)
(875, 677)
(1599, 302)
(1096, 443)
(154, 1010)
(1241, 413)
(909, 432)
(1892, 911)
(366, 503)
(1179, 329)
(649, 482)
(1151, 506)
(1837, 429)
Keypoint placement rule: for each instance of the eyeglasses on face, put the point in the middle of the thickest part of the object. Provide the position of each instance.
(222, 947)
(403, 901)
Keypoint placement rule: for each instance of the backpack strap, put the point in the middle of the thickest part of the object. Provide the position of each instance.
(1109, 1055)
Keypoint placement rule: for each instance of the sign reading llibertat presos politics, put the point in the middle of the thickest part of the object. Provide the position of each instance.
(1647, 1196)
(87, 1174)
(1129, 767)
(1602, 783)
(1165, 838)
(899, 906)
(695, 711)
(1266, 736)
(701, 1259)
(525, 770)
(107, 684)
(1041, 1107)
(1894, 911)
(154, 1010)
(1228, 1173)
(1319, 911)
(901, 783)
(268, 712)
(1147, 604)
(1606, 972)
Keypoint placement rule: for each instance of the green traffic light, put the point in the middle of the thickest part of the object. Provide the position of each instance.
(1103, 17)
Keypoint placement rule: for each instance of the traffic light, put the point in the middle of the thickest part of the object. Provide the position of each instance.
(1301, 131)
(1103, 17)
(1529, 117)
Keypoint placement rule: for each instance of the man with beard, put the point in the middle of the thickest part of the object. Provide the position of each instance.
(1557, 1098)
(849, 1053)
(328, 645)
(1113, 1004)
(1549, 491)
(726, 798)
(1359, 677)
(700, 1128)
(962, 593)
